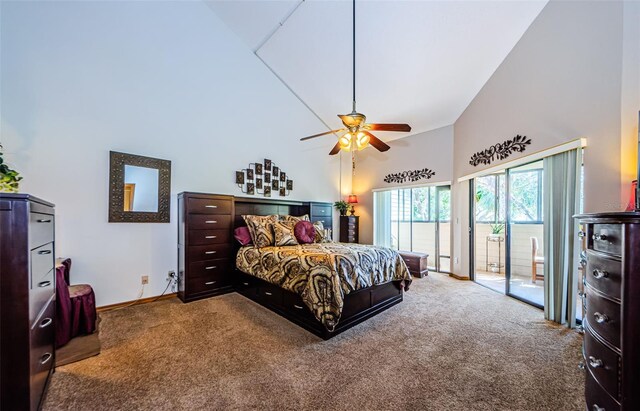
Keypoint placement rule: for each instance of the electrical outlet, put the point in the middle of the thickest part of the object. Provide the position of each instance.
(171, 275)
(145, 279)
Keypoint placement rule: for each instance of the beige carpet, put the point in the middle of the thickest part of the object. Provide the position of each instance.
(451, 345)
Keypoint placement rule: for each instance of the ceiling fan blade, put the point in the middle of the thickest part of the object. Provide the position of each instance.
(376, 142)
(389, 127)
(322, 134)
(335, 149)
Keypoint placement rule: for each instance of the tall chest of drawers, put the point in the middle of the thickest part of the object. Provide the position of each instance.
(321, 212)
(27, 300)
(349, 228)
(612, 317)
(205, 263)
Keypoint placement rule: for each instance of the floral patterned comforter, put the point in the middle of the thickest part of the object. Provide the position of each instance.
(323, 273)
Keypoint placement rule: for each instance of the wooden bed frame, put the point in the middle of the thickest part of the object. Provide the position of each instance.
(358, 306)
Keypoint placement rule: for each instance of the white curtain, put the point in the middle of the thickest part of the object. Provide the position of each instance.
(382, 218)
(561, 188)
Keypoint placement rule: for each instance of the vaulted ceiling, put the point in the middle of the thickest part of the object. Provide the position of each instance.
(419, 62)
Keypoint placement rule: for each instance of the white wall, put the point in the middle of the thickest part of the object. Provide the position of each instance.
(433, 150)
(159, 79)
(563, 80)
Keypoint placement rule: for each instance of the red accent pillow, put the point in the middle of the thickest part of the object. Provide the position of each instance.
(305, 232)
(243, 235)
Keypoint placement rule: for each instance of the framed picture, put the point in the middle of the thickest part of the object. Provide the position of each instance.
(250, 189)
(283, 177)
(239, 177)
(267, 178)
(267, 191)
(274, 185)
(258, 184)
(283, 192)
(267, 164)
(289, 185)
(275, 171)
(249, 174)
(258, 169)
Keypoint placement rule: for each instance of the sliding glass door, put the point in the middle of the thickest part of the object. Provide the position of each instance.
(416, 220)
(507, 232)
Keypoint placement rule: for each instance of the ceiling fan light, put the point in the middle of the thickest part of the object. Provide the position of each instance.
(362, 141)
(345, 141)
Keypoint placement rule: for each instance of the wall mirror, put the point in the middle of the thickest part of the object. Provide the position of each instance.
(139, 189)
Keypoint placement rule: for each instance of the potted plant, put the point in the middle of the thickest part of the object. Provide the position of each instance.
(342, 206)
(496, 230)
(9, 179)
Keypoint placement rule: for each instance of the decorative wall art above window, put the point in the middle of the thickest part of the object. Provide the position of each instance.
(264, 178)
(500, 151)
(414, 175)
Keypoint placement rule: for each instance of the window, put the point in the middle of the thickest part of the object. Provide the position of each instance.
(526, 197)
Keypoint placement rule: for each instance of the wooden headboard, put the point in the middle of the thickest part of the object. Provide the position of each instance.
(267, 206)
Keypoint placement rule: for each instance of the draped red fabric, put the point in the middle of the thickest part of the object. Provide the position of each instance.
(75, 307)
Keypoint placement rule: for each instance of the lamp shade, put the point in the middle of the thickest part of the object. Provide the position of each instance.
(632, 200)
(353, 199)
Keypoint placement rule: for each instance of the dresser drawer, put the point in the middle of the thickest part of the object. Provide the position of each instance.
(208, 282)
(603, 316)
(244, 283)
(40, 229)
(202, 237)
(42, 352)
(604, 274)
(320, 210)
(270, 293)
(293, 303)
(42, 261)
(202, 269)
(596, 397)
(209, 222)
(208, 252)
(326, 222)
(607, 238)
(208, 206)
(602, 362)
(42, 291)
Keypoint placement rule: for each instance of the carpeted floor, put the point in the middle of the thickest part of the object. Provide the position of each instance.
(451, 345)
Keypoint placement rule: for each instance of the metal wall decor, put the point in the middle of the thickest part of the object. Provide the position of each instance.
(500, 150)
(414, 175)
(264, 178)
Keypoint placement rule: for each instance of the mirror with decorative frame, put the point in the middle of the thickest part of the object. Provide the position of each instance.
(139, 189)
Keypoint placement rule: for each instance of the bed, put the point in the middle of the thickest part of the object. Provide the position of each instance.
(325, 288)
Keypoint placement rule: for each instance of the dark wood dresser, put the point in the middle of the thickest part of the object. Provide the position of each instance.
(612, 319)
(205, 233)
(321, 212)
(27, 300)
(349, 227)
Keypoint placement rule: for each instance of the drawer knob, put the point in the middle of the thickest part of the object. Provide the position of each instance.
(210, 222)
(46, 322)
(42, 252)
(211, 206)
(600, 318)
(600, 237)
(595, 362)
(210, 236)
(43, 221)
(210, 252)
(245, 284)
(44, 284)
(209, 283)
(598, 274)
(268, 293)
(211, 267)
(596, 407)
(45, 358)
(299, 307)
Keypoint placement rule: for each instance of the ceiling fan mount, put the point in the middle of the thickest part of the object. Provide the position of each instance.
(357, 136)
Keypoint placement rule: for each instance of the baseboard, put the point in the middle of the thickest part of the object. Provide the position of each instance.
(459, 277)
(135, 302)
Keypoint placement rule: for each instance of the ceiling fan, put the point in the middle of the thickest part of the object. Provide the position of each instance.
(357, 134)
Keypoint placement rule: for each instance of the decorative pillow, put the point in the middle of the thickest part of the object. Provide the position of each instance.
(243, 235)
(260, 229)
(295, 219)
(284, 233)
(319, 237)
(305, 232)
